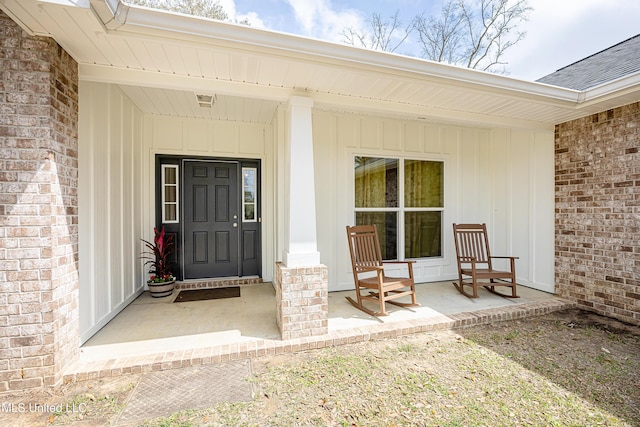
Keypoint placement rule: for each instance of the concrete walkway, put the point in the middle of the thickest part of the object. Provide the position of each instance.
(154, 335)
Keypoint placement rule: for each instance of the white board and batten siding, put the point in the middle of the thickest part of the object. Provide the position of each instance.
(500, 176)
(116, 196)
(204, 138)
(110, 204)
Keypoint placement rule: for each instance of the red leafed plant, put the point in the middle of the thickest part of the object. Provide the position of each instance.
(158, 256)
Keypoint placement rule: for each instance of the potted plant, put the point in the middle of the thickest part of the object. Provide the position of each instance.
(162, 281)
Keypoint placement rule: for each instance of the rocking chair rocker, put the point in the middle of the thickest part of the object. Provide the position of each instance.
(364, 247)
(474, 262)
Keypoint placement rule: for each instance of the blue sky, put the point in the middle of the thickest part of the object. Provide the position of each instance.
(559, 32)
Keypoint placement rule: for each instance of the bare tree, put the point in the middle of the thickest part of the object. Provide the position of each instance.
(440, 38)
(206, 8)
(471, 33)
(474, 34)
(384, 35)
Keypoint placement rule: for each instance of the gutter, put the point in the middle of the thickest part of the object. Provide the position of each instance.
(626, 85)
(119, 12)
(125, 17)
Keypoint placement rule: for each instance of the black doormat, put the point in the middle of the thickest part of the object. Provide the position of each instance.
(206, 294)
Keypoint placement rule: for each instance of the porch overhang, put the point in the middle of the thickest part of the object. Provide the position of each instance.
(160, 51)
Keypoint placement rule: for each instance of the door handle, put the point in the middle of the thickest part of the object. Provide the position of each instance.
(235, 225)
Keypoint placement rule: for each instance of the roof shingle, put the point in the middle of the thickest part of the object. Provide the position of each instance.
(610, 64)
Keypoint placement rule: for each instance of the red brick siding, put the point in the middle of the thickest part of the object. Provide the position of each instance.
(39, 331)
(598, 212)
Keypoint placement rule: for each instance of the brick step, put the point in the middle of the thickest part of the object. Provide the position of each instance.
(217, 283)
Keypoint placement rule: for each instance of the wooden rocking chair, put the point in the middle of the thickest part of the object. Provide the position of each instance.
(474, 262)
(366, 258)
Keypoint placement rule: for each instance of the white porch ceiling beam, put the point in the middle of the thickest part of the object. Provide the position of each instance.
(155, 79)
(420, 112)
(333, 102)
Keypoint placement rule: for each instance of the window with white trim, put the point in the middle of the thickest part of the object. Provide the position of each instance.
(170, 194)
(404, 198)
(249, 192)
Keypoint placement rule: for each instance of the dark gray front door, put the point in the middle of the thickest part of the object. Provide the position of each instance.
(211, 210)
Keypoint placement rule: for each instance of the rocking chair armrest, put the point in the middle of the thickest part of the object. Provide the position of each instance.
(408, 263)
(506, 257)
(411, 261)
(371, 268)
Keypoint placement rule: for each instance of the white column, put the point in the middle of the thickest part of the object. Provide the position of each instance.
(301, 248)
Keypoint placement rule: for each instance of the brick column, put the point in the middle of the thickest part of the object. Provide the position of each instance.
(39, 329)
(302, 301)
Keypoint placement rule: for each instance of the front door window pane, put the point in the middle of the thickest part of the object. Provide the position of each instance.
(422, 234)
(169, 193)
(170, 214)
(376, 182)
(249, 190)
(387, 225)
(170, 176)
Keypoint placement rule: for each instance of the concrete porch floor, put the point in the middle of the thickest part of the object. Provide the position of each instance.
(155, 333)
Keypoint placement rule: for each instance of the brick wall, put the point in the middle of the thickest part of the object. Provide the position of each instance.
(598, 212)
(39, 332)
(302, 301)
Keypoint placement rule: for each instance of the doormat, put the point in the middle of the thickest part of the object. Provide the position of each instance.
(206, 294)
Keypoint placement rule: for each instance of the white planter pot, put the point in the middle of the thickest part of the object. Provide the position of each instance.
(164, 289)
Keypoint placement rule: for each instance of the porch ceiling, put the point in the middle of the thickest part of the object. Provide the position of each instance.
(162, 60)
(181, 103)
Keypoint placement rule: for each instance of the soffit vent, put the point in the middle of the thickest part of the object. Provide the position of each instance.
(206, 101)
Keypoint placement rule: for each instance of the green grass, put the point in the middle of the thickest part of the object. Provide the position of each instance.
(458, 384)
(532, 373)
